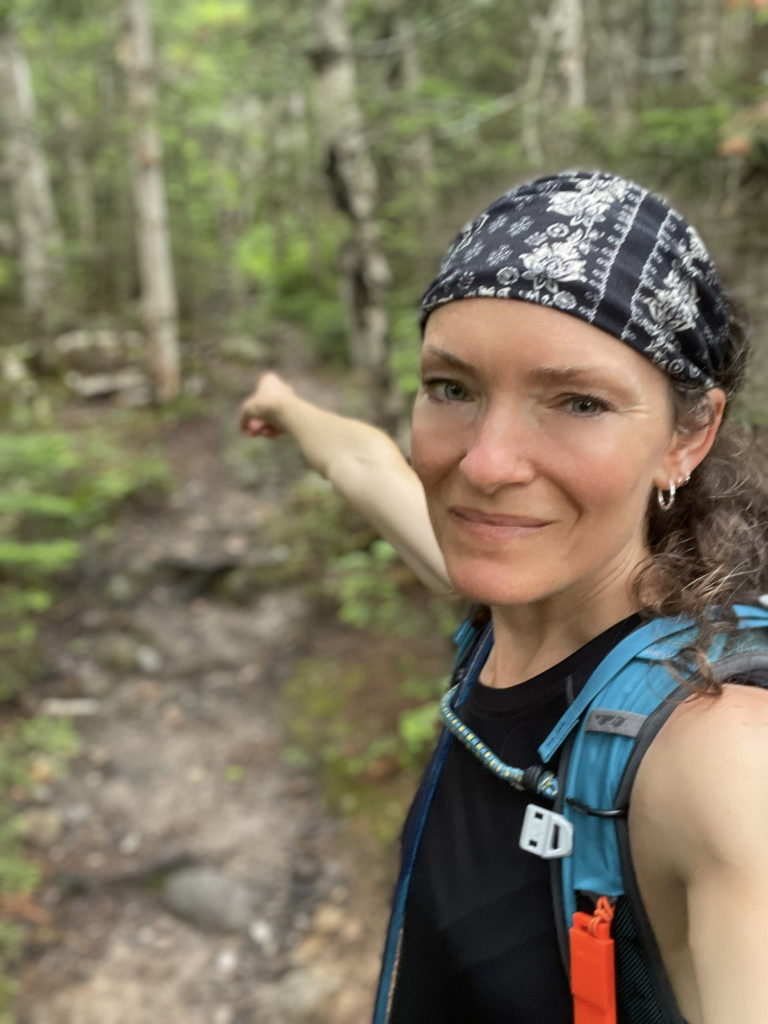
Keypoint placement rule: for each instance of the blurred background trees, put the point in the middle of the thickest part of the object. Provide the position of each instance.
(269, 168)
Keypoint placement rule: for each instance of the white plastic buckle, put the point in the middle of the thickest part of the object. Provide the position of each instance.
(546, 833)
(763, 600)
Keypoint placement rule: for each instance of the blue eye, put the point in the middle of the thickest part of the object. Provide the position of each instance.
(586, 405)
(441, 390)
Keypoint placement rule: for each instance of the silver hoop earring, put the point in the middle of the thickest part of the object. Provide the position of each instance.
(666, 499)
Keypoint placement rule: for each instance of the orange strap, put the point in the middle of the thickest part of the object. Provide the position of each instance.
(593, 975)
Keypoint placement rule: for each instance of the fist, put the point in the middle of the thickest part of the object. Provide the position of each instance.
(260, 412)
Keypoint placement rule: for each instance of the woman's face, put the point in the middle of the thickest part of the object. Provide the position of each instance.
(538, 439)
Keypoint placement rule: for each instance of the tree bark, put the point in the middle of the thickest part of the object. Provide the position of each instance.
(418, 153)
(544, 30)
(39, 238)
(153, 242)
(365, 272)
(664, 59)
(571, 45)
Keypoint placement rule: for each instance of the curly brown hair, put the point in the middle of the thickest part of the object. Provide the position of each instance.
(710, 550)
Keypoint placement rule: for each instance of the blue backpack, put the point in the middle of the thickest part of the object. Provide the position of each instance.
(601, 740)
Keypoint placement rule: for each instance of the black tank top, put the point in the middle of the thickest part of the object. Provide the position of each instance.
(479, 940)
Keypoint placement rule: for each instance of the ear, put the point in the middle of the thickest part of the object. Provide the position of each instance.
(689, 447)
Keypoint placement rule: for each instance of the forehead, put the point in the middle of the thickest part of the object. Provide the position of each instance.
(495, 335)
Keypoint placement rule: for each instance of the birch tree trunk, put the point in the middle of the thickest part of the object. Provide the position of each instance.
(365, 272)
(559, 32)
(544, 28)
(704, 32)
(571, 45)
(153, 243)
(418, 153)
(39, 238)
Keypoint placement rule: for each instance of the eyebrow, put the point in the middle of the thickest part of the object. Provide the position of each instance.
(587, 377)
(564, 376)
(573, 375)
(444, 356)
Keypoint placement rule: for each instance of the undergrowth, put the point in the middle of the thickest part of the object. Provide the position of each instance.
(369, 741)
(365, 716)
(59, 488)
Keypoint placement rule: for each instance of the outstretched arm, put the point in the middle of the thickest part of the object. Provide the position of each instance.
(364, 465)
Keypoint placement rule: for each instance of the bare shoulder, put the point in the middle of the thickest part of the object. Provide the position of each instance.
(703, 785)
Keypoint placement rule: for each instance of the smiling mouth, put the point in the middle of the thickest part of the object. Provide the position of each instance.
(487, 522)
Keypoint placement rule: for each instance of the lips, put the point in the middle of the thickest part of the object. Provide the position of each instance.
(493, 519)
(495, 525)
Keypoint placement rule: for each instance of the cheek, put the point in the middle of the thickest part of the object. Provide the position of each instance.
(425, 458)
(619, 483)
(432, 445)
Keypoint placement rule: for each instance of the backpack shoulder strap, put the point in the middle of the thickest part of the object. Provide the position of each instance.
(622, 714)
(614, 732)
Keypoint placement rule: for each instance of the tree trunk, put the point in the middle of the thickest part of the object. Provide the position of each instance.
(39, 238)
(365, 272)
(158, 290)
(571, 46)
(418, 155)
(664, 59)
(544, 28)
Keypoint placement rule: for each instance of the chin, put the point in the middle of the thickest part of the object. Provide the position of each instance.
(497, 585)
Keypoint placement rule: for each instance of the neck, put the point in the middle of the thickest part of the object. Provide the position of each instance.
(530, 639)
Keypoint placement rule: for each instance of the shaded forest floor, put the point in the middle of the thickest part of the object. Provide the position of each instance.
(193, 872)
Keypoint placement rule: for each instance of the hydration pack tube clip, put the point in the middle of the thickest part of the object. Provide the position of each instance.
(546, 833)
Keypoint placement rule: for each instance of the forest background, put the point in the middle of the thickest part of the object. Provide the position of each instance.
(192, 191)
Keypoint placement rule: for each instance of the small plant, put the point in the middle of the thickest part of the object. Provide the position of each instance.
(417, 731)
(368, 744)
(374, 590)
(56, 486)
(31, 750)
(367, 590)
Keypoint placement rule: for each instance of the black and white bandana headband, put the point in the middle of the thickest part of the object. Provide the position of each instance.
(602, 249)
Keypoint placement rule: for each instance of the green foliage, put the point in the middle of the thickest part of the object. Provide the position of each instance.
(294, 271)
(679, 142)
(8, 988)
(369, 747)
(255, 232)
(42, 557)
(367, 591)
(417, 729)
(314, 528)
(371, 590)
(57, 486)
(370, 726)
(30, 749)
(404, 351)
(295, 278)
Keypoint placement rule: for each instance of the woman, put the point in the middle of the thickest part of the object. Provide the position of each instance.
(577, 363)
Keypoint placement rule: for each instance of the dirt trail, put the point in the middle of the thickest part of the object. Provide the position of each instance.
(192, 876)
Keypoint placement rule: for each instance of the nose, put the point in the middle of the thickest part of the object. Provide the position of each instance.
(501, 451)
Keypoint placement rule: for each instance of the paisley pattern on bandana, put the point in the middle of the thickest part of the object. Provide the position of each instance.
(605, 250)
